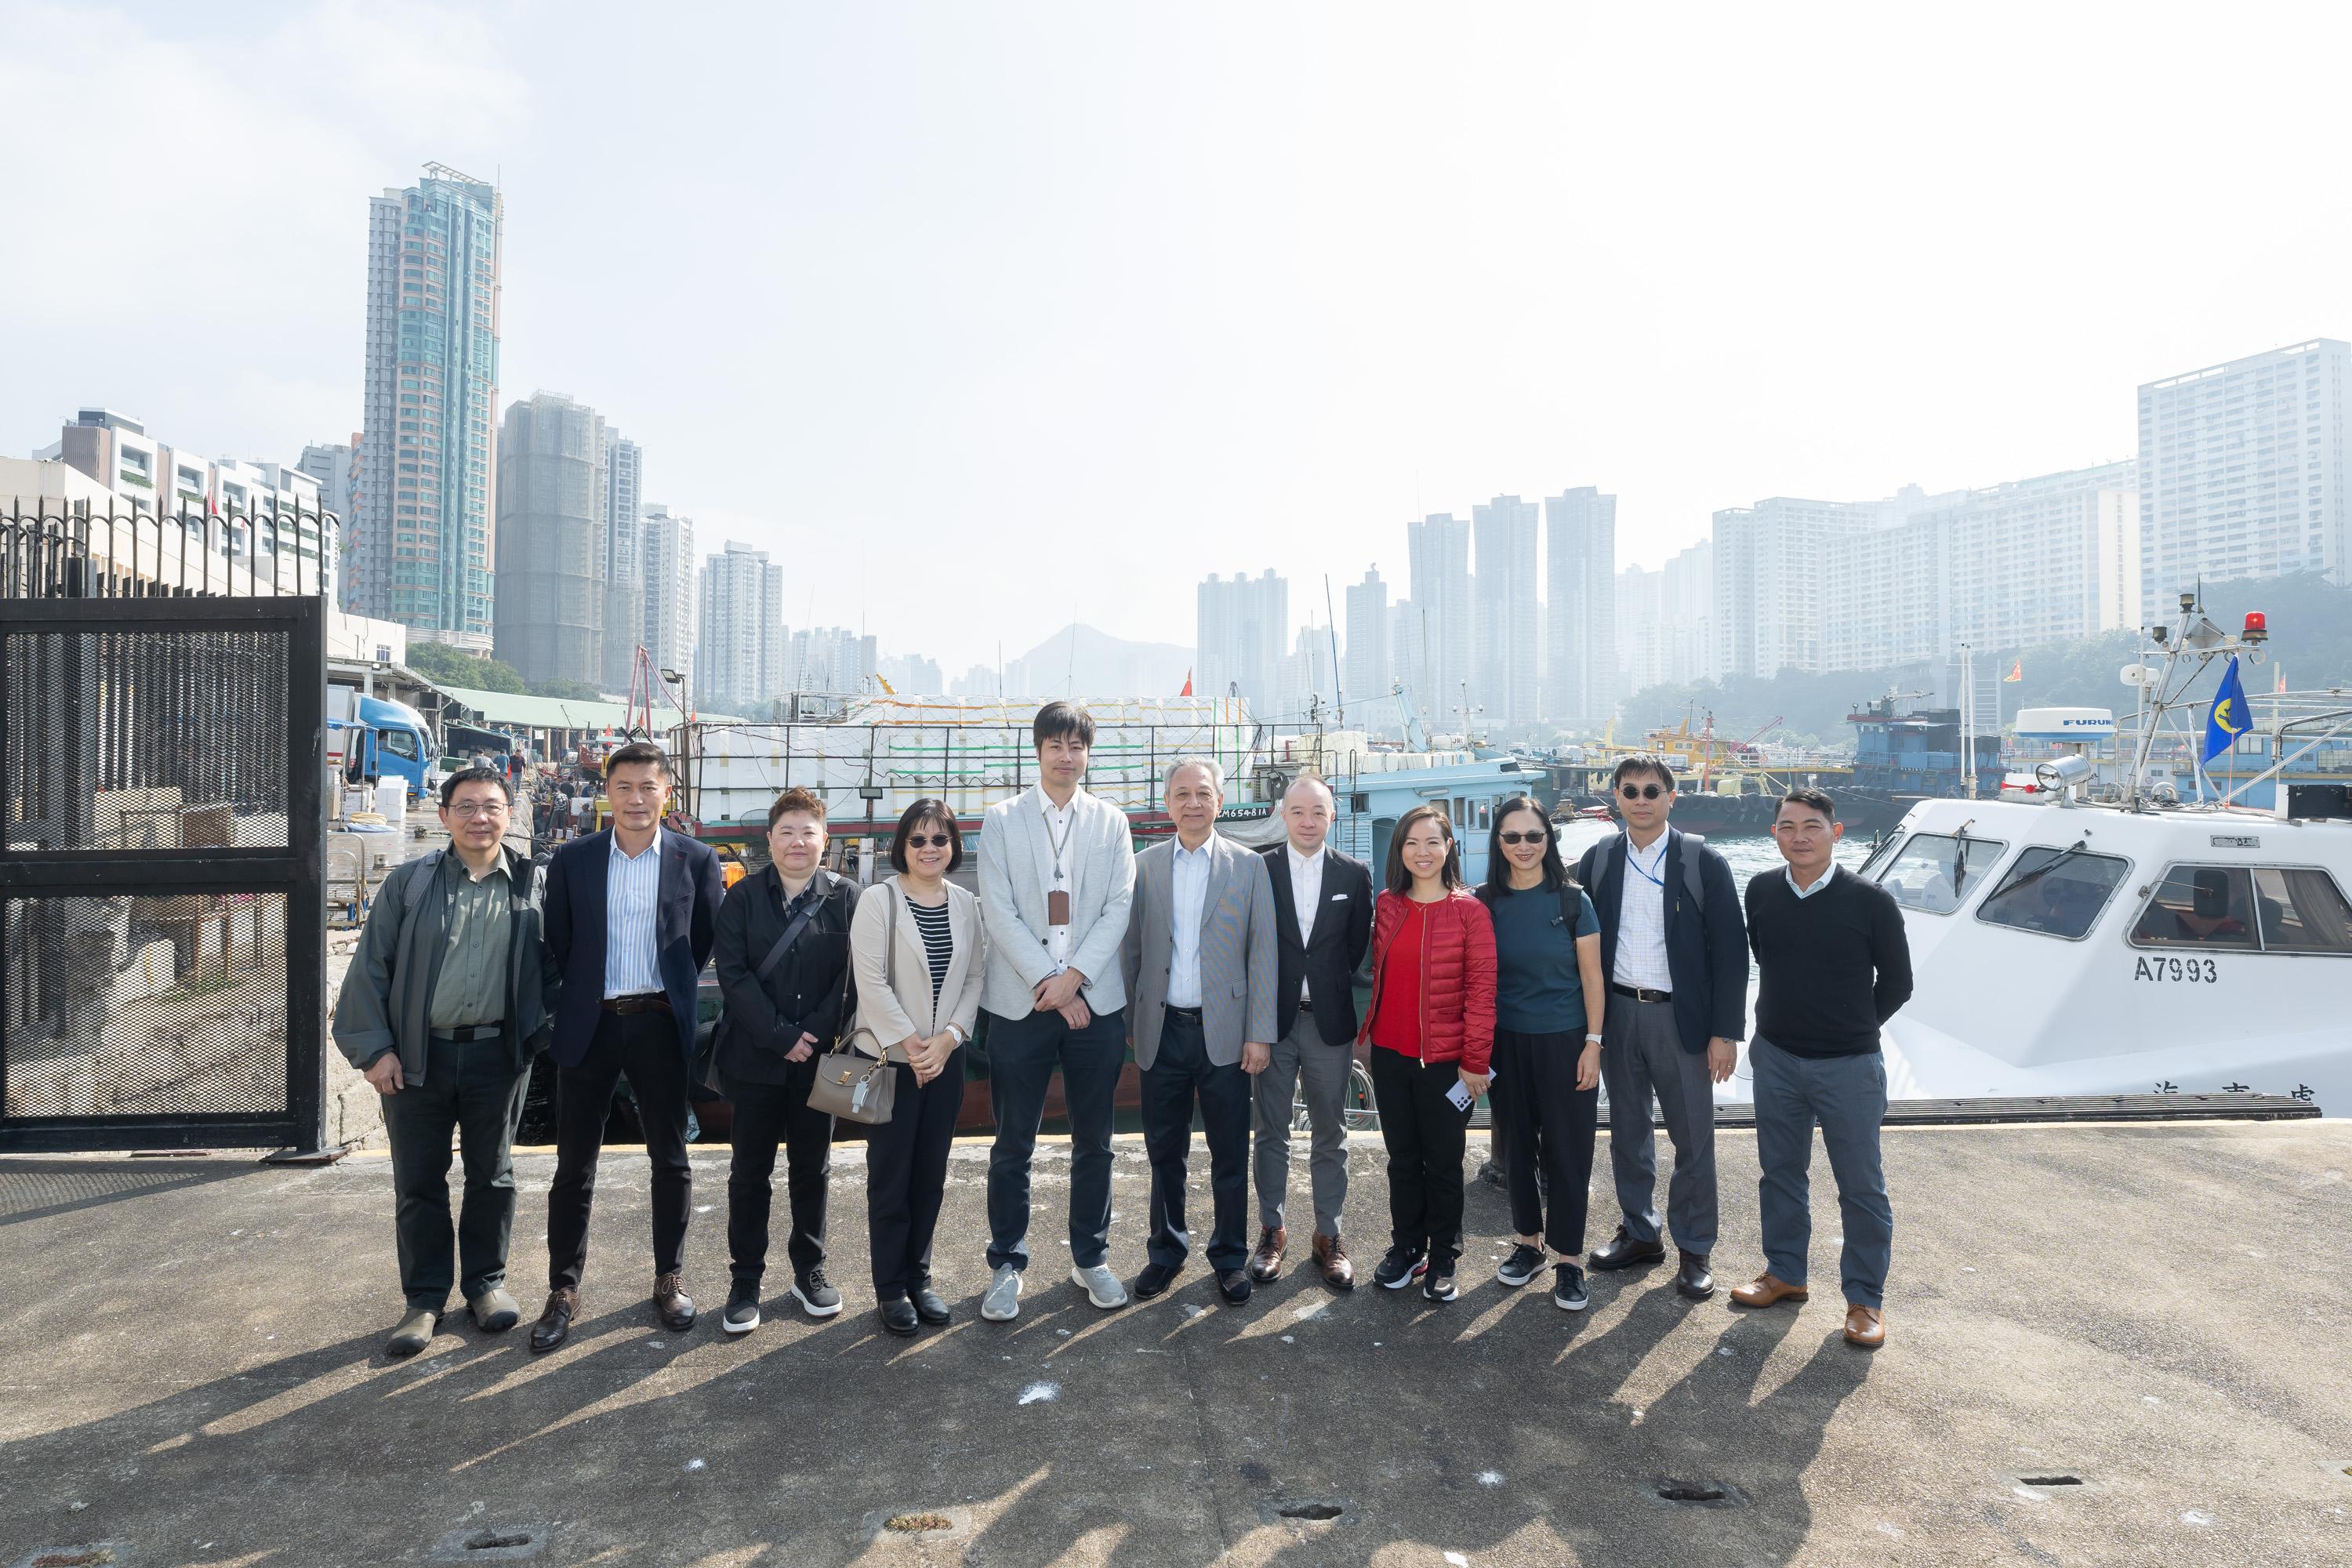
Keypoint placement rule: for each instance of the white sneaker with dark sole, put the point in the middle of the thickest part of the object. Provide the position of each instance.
(814, 1305)
(1524, 1264)
(1567, 1288)
(740, 1318)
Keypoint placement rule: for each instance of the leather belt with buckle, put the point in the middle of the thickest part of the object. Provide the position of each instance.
(642, 1002)
(470, 1031)
(1641, 992)
(1189, 1015)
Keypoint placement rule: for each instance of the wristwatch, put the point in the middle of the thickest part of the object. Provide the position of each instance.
(1593, 1039)
(957, 1030)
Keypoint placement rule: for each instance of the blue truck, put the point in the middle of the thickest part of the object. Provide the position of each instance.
(369, 738)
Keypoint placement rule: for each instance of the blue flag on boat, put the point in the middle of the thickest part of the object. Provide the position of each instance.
(2228, 718)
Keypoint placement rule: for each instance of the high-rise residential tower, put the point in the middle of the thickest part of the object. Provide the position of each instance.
(1439, 548)
(625, 587)
(1241, 635)
(1580, 600)
(740, 656)
(552, 566)
(667, 556)
(1365, 668)
(420, 548)
(2242, 472)
(1507, 628)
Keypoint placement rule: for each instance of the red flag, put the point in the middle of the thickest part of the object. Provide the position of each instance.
(2016, 671)
(2279, 685)
(1188, 684)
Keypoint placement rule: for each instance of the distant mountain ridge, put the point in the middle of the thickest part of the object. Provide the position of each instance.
(1081, 661)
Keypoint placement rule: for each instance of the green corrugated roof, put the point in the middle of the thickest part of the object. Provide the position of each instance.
(527, 713)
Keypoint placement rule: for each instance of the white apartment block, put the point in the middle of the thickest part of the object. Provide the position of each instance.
(2241, 471)
(1581, 681)
(740, 654)
(666, 555)
(1664, 621)
(1439, 546)
(2043, 559)
(1506, 625)
(1242, 637)
(1366, 664)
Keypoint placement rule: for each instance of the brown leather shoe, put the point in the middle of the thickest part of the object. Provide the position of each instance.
(670, 1299)
(1766, 1291)
(1332, 1259)
(555, 1325)
(1864, 1326)
(1266, 1261)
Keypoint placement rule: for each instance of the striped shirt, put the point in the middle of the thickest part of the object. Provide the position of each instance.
(631, 894)
(1642, 919)
(938, 942)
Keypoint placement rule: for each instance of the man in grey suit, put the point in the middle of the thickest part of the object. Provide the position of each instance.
(1057, 875)
(1201, 965)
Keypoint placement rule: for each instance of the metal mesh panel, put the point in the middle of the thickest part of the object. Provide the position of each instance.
(145, 1006)
(122, 740)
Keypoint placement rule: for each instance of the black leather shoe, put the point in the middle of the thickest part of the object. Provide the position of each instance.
(555, 1325)
(1234, 1285)
(1624, 1252)
(930, 1306)
(1155, 1279)
(899, 1316)
(1692, 1279)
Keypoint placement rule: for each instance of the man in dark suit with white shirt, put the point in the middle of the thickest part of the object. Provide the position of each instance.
(631, 914)
(1323, 922)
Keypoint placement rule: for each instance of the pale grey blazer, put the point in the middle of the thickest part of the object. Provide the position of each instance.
(1013, 888)
(897, 1004)
(1239, 955)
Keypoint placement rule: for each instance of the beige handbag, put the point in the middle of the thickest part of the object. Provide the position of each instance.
(850, 1084)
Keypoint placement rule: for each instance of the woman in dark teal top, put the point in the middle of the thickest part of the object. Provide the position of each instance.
(1549, 1002)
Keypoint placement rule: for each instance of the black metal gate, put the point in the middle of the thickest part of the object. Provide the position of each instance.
(163, 940)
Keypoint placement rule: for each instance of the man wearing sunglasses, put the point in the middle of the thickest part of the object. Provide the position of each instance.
(1675, 948)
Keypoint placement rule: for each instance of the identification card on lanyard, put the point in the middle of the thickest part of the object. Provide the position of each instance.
(1058, 902)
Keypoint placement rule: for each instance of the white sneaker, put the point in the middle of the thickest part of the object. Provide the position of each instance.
(1002, 1302)
(1102, 1287)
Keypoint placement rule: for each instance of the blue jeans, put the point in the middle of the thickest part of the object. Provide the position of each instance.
(1847, 1097)
(1021, 1055)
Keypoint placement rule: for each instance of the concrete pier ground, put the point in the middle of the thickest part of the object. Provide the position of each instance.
(190, 1374)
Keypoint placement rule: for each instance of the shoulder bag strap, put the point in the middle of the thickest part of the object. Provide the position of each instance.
(792, 929)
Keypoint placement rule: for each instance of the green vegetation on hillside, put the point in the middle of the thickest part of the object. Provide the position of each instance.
(446, 665)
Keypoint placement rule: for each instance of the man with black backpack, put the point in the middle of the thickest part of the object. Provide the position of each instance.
(443, 1007)
(1674, 950)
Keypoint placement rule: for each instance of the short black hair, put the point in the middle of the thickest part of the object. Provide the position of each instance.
(463, 776)
(1643, 763)
(927, 810)
(1400, 879)
(796, 799)
(1499, 867)
(635, 752)
(1812, 799)
(1057, 719)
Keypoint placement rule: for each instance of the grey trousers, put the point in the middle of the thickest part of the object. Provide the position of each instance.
(1847, 1097)
(1641, 1054)
(1300, 1057)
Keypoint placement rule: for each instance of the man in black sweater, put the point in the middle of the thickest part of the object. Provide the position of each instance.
(1833, 964)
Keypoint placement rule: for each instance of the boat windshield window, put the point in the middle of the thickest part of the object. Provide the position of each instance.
(2056, 892)
(2202, 907)
(1936, 872)
(1880, 856)
(2302, 911)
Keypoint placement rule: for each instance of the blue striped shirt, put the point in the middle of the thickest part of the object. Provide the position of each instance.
(631, 893)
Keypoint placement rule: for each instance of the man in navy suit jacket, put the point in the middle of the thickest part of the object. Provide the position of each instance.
(629, 921)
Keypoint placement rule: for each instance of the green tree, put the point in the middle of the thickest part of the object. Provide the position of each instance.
(565, 685)
(446, 665)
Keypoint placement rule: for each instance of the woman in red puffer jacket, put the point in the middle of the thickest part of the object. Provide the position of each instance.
(1432, 1025)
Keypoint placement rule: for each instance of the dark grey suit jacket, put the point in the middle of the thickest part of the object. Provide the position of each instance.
(1240, 958)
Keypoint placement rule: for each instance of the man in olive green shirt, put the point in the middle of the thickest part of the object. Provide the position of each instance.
(441, 1009)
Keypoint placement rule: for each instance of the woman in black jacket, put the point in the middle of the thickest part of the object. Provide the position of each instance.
(781, 952)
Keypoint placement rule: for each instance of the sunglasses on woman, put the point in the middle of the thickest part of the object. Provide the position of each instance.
(1517, 837)
(1639, 792)
(927, 841)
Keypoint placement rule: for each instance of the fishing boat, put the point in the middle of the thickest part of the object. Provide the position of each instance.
(2119, 935)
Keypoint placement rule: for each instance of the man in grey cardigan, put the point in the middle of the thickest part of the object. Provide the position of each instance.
(1056, 873)
(1200, 963)
(443, 1005)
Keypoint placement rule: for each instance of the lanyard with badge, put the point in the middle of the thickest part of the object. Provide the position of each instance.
(1058, 902)
(1652, 878)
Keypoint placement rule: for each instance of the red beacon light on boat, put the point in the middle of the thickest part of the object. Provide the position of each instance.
(2258, 627)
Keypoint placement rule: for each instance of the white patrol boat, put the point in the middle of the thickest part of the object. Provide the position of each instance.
(2114, 938)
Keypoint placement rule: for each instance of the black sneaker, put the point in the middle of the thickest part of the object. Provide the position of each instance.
(743, 1313)
(1567, 1288)
(1399, 1268)
(815, 1293)
(1524, 1264)
(1437, 1287)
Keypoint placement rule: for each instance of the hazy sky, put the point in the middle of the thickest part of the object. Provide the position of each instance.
(988, 314)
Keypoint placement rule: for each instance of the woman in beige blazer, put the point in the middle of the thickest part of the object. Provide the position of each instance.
(921, 963)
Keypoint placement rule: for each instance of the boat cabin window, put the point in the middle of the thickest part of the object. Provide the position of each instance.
(1879, 856)
(1936, 872)
(2055, 892)
(2234, 907)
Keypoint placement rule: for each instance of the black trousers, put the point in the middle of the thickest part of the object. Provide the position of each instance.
(1425, 1139)
(907, 1177)
(474, 1092)
(767, 1115)
(1181, 1074)
(644, 1047)
(1548, 1119)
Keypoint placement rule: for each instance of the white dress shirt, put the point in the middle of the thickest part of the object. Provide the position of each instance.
(1642, 919)
(1188, 885)
(1306, 895)
(631, 893)
(1061, 826)
(1819, 882)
